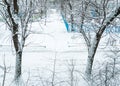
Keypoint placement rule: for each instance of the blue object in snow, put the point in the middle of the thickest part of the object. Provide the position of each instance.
(66, 24)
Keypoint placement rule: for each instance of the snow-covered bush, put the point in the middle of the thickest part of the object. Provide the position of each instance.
(108, 73)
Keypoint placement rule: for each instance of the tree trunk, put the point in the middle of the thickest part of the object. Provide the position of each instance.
(18, 51)
(15, 6)
(72, 22)
(15, 39)
(18, 66)
(90, 60)
(71, 15)
(91, 54)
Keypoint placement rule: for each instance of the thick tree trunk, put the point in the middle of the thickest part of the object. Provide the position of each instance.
(18, 66)
(89, 65)
(15, 38)
(91, 54)
(18, 51)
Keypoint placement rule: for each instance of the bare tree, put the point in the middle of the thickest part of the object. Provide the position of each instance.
(103, 17)
(107, 72)
(17, 15)
(93, 45)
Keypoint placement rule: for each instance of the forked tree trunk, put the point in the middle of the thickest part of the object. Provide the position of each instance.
(91, 54)
(94, 45)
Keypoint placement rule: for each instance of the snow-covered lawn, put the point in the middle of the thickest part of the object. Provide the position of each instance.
(46, 44)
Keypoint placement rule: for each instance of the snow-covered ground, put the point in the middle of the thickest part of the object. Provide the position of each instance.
(47, 43)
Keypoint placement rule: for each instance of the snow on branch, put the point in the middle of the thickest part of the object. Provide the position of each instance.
(109, 20)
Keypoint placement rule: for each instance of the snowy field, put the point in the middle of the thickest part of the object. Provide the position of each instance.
(48, 47)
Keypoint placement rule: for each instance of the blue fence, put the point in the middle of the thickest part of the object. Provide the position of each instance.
(66, 24)
(88, 28)
(113, 29)
(109, 29)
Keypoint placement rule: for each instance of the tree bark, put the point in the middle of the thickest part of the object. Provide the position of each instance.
(91, 54)
(18, 67)
(18, 52)
(71, 15)
(15, 6)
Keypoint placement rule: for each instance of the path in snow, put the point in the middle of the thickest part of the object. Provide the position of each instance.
(54, 40)
(59, 44)
(55, 35)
